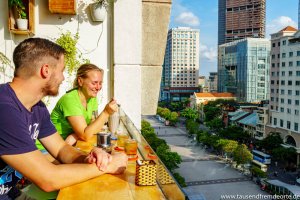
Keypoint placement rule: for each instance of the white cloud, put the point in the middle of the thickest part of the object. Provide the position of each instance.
(279, 23)
(187, 18)
(208, 53)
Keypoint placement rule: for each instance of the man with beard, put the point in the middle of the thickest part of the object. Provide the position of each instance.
(39, 66)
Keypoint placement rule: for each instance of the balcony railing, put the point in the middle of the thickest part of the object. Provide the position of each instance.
(165, 180)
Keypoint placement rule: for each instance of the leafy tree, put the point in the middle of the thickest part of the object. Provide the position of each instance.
(285, 155)
(173, 118)
(271, 142)
(211, 112)
(169, 158)
(216, 124)
(242, 155)
(235, 133)
(189, 113)
(228, 146)
(192, 126)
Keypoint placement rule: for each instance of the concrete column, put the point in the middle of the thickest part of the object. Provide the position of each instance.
(155, 22)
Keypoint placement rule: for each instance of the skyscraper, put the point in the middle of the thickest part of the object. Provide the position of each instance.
(181, 64)
(244, 69)
(241, 19)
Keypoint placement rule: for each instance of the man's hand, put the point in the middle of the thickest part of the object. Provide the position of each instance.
(111, 107)
(118, 164)
(99, 157)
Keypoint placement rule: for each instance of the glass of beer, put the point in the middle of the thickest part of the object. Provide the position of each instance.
(121, 139)
(131, 148)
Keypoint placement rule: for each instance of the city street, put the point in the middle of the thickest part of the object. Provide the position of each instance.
(204, 173)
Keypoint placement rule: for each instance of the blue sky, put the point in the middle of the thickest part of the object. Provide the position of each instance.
(203, 15)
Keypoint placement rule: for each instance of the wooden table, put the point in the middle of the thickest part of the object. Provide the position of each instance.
(107, 186)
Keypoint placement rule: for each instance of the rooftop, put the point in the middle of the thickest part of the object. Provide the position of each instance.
(214, 94)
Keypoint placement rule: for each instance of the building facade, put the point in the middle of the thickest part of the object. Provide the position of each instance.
(241, 19)
(213, 82)
(285, 86)
(181, 64)
(243, 69)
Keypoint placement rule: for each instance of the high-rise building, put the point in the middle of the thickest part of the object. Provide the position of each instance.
(244, 69)
(213, 82)
(284, 103)
(299, 14)
(181, 64)
(241, 19)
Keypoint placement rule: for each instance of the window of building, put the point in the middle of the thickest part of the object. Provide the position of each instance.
(283, 73)
(288, 124)
(283, 55)
(289, 101)
(297, 112)
(278, 55)
(272, 98)
(281, 123)
(284, 42)
(288, 111)
(291, 54)
(282, 82)
(281, 109)
(298, 63)
(273, 65)
(289, 92)
(290, 73)
(298, 53)
(283, 64)
(297, 92)
(290, 64)
(281, 91)
(273, 44)
(290, 82)
(297, 73)
(296, 126)
(275, 121)
(297, 82)
(281, 100)
(297, 102)
(272, 90)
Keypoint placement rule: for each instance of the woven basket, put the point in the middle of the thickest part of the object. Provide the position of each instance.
(145, 172)
(163, 176)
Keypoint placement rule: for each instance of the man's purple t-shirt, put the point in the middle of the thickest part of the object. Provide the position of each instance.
(19, 128)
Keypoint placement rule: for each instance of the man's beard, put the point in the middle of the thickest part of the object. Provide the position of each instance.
(50, 90)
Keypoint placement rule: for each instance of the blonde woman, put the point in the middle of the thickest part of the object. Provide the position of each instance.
(73, 113)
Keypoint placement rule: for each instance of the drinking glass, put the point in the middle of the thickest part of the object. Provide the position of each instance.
(131, 148)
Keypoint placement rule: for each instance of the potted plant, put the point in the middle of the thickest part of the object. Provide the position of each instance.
(98, 10)
(22, 22)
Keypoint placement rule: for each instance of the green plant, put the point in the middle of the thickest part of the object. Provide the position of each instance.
(101, 3)
(73, 57)
(18, 4)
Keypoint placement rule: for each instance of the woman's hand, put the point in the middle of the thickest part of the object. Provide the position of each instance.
(111, 107)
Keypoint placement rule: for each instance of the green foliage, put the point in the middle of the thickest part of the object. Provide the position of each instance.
(211, 112)
(242, 155)
(192, 126)
(271, 142)
(73, 58)
(173, 118)
(189, 113)
(216, 124)
(285, 155)
(179, 179)
(18, 4)
(169, 158)
(227, 146)
(234, 133)
(256, 171)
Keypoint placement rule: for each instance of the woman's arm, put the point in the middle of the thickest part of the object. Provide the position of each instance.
(85, 131)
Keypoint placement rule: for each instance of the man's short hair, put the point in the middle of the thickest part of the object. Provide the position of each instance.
(30, 52)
